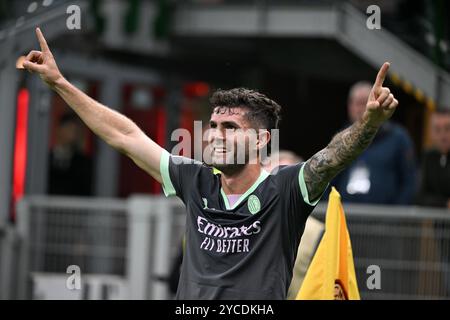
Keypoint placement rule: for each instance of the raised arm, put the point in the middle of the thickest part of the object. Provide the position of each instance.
(115, 129)
(348, 144)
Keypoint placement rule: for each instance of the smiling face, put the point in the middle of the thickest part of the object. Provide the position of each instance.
(233, 141)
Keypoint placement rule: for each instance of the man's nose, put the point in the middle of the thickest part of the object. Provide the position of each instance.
(219, 134)
(215, 134)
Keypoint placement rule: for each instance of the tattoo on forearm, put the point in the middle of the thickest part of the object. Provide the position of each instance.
(345, 147)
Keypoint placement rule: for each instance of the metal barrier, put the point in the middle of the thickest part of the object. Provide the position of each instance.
(410, 245)
(135, 240)
(58, 232)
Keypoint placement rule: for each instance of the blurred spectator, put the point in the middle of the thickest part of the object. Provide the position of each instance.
(281, 158)
(70, 169)
(435, 181)
(386, 172)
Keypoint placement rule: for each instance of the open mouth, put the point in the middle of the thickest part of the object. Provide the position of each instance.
(220, 150)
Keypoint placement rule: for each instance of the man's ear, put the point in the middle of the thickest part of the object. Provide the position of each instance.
(263, 138)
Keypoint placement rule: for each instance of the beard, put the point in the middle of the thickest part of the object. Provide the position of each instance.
(230, 169)
(229, 162)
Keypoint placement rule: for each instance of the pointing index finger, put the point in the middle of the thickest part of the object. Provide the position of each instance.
(382, 74)
(42, 41)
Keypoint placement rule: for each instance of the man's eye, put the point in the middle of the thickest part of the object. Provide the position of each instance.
(212, 125)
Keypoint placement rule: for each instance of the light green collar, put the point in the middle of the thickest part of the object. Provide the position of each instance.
(263, 175)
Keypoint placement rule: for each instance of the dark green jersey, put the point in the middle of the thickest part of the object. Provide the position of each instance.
(246, 251)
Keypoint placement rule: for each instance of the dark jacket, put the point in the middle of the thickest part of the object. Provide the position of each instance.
(435, 181)
(385, 173)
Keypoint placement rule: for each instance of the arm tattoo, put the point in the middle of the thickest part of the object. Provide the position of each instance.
(345, 147)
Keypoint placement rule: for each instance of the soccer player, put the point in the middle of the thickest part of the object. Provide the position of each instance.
(243, 224)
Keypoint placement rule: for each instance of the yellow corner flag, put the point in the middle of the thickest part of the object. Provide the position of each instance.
(331, 275)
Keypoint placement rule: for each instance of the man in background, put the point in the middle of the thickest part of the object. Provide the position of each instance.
(385, 173)
(435, 182)
(70, 169)
(281, 158)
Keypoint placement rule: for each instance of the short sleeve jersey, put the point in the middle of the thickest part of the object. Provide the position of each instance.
(244, 251)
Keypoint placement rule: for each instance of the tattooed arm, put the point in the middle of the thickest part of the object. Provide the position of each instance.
(340, 152)
(347, 145)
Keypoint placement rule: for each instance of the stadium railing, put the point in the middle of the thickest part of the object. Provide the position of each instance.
(409, 245)
(125, 248)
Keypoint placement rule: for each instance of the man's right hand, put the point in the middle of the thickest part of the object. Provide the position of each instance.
(43, 63)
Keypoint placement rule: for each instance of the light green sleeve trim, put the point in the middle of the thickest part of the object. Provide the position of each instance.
(304, 190)
(167, 185)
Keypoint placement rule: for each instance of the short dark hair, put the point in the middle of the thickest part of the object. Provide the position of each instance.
(263, 112)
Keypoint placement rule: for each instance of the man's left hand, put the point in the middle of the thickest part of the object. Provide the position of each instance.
(381, 103)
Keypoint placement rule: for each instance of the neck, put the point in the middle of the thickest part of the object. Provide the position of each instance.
(239, 182)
